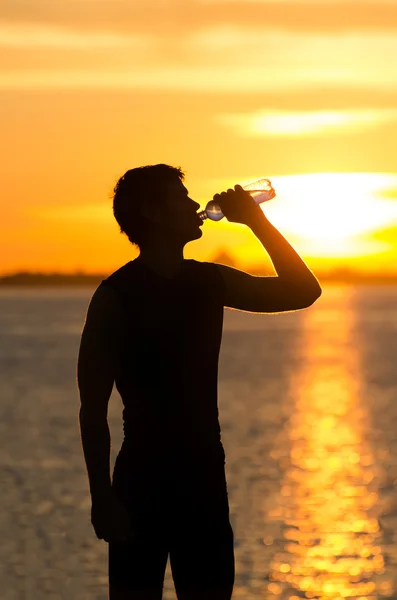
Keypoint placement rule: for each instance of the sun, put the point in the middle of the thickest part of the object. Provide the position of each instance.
(329, 211)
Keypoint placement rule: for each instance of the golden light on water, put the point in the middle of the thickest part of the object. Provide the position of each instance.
(329, 505)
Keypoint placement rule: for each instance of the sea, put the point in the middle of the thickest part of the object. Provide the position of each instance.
(308, 410)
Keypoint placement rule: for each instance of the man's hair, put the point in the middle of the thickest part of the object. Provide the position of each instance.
(142, 185)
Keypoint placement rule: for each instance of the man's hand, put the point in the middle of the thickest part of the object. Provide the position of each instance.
(110, 519)
(238, 206)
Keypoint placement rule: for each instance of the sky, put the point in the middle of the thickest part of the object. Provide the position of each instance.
(231, 91)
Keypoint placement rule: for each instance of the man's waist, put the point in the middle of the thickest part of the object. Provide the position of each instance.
(175, 442)
(189, 443)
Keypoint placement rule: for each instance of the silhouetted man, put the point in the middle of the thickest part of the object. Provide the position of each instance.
(154, 327)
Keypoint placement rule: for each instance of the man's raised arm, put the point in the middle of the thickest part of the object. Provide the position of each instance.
(294, 288)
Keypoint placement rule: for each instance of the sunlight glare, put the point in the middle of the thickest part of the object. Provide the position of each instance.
(328, 210)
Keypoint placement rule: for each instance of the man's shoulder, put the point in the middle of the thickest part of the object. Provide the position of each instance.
(201, 266)
(208, 277)
(122, 278)
(104, 301)
(127, 279)
(107, 296)
(207, 267)
(122, 272)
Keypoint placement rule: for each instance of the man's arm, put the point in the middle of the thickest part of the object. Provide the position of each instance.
(95, 376)
(295, 287)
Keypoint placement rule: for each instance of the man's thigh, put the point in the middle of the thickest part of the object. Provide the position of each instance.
(137, 568)
(201, 538)
(202, 561)
(187, 515)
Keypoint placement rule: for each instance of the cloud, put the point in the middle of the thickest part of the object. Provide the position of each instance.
(215, 60)
(275, 48)
(175, 17)
(36, 35)
(198, 80)
(296, 123)
(300, 3)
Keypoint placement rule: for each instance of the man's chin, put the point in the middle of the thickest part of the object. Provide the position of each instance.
(193, 234)
(198, 234)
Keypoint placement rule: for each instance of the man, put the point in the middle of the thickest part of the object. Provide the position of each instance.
(154, 328)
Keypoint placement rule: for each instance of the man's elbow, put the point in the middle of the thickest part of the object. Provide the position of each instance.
(310, 296)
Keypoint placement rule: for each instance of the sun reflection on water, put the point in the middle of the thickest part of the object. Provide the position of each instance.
(328, 498)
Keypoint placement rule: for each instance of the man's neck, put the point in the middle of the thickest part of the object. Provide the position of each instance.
(166, 263)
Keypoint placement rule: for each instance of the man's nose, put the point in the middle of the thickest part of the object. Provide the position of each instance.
(196, 205)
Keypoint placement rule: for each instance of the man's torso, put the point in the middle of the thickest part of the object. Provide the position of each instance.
(167, 364)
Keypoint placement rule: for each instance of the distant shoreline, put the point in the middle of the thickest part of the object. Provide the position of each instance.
(50, 280)
(24, 279)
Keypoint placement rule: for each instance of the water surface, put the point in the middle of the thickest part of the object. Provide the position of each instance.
(308, 409)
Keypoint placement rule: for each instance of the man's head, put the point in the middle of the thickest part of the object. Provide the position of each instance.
(152, 202)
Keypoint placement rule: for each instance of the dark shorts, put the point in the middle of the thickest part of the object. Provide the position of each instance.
(180, 510)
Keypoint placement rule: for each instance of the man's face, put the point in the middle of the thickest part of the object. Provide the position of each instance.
(178, 215)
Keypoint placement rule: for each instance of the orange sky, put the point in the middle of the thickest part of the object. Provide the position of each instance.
(302, 92)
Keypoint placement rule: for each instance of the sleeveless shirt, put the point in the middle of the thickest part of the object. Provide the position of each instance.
(167, 361)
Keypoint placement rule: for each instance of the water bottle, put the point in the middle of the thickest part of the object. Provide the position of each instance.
(260, 190)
